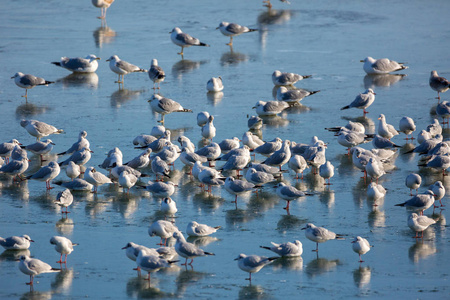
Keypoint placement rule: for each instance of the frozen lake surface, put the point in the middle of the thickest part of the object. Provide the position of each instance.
(326, 39)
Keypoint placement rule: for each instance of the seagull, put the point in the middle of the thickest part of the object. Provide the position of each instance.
(443, 111)
(270, 108)
(258, 178)
(168, 206)
(160, 189)
(143, 140)
(165, 106)
(297, 163)
(438, 84)
(196, 229)
(251, 140)
(320, 235)
(34, 266)
(28, 81)
(438, 191)
(7, 148)
(40, 147)
(189, 158)
(362, 101)
(288, 193)
(413, 182)
(211, 151)
(288, 249)
(132, 251)
(419, 223)
(214, 84)
(237, 187)
(361, 246)
(254, 123)
(293, 96)
(407, 126)
(39, 129)
(103, 5)
(15, 167)
(375, 191)
(77, 184)
(79, 157)
(326, 171)
(384, 129)
(81, 143)
(419, 202)
(252, 263)
(285, 79)
(184, 40)
(202, 118)
(73, 170)
(187, 250)
(380, 142)
(374, 169)
(281, 156)
(163, 229)
(232, 30)
(229, 144)
(79, 64)
(46, 173)
(151, 263)
(160, 167)
(122, 67)
(236, 162)
(156, 74)
(268, 148)
(350, 139)
(158, 131)
(381, 66)
(127, 180)
(16, 242)
(141, 161)
(64, 199)
(209, 131)
(210, 177)
(95, 178)
(62, 245)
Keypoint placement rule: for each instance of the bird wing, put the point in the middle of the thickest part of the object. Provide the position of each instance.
(187, 39)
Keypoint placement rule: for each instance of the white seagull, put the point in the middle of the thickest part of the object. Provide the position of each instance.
(361, 246)
(103, 5)
(320, 235)
(362, 101)
(288, 249)
(39, 129)
(438, 84)
(214, 84)
(28, 81)
(270, 108)
(196, 229)
(419, 223)
(64, 199)
(96, 178)
(285, 79)
(184, 40)
(156, 74)
(232, 30)
(237, 187)
(79, 64)
(34, 266)
(16, 242)
(165, 106)
(122, 68)
(381, 66)
(413, 182)
(62, 245)
(252, 263)
(187, 250)
(47, 173)
(163, 229)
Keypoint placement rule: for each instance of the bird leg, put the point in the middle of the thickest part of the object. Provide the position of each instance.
(360, 260)
(365, 112)
(31, 280)
(26, 93)
(287, 206)
(317, 248)
(181, 53)
(231, 41)
(250, 277)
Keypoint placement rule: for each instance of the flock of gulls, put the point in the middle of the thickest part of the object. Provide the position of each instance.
(221, 163)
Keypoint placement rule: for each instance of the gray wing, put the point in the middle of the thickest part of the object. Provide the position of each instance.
(75, 63)
(44, 127)
(31, 80)
(360, 100)
(156, 72)
(254, 261)
(286, 78)
(386, 65)
(41, 173)
(11, 242)
(236, 28)
(127, 66)
(290, 191)
(36, 147)
(187, 39)
(275, 106)
(168, 105)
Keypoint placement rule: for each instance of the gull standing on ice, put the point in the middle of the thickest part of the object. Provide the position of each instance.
(209, 130)
(184, 40)
(270, 108)
(232, 30)
(73, 170)
(96, 178)
(281, 156)
(293, 96)
(419, 224)
(438, 84)
(326, 171)
(62, 245)
(319, 235)
(168, 206)
(15, 167)
(165, 106)
(252, 263)
(122, 68)
(40, 148)
(258, 178)
(214, 84)
(28, 81)
(407, 126)
(362, 101)
(297, 163)
(81, 143)
(196, 229)
(156, 74)
(79, 64)
(163, 229)
(288, 193)
(78, 184)
(141, 161)
(254, 123)
(361, 246)
(47, 173)
(288, 249)
(419, 202)
(79, 157)
(381, 66)
(285, 79)
(151, 263)
(39, 129)
(413, 182)
(103, 5)
(187, 250)
(160, 167)
(384, 129)
(438, 191)
(34, 266)
(64, 199)
(127, 180)
(161, 189)
(7, 148)
(237, 187)
(16, 242)
(202, 118)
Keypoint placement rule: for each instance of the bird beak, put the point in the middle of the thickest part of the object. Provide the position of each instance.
(353, 242)
(108, 59)
(361, 60)
(124, 247)
(52, 143)
(236, 258)
(31, 241)
(217, 28)
(303, 228)
(12, 77)
(253, 107)
(97, 58)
